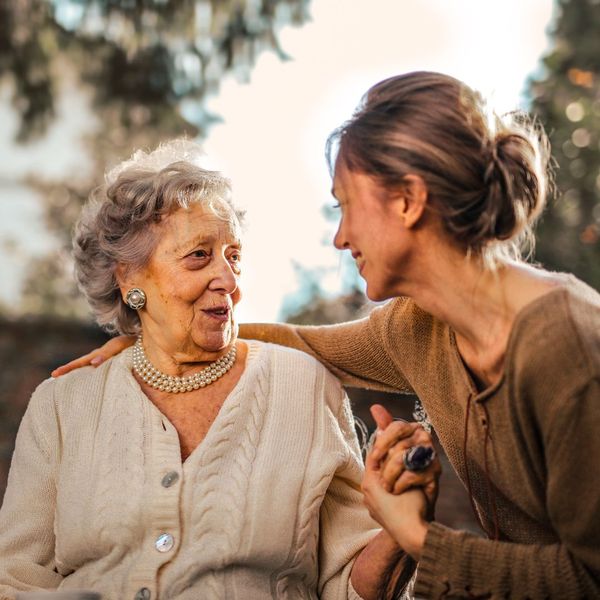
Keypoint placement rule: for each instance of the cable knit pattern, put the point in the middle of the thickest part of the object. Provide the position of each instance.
(246, 513)
(249, 409)
(305, 543)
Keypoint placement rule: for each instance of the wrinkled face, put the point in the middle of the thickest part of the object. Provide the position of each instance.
(191, 283)
(371, 230)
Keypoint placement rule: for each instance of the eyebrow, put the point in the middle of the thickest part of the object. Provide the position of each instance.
(187, 247)
(333, 192)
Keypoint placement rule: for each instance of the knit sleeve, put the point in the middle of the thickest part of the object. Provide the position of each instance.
(355, 352)
(458, 564)
(345, 524)
(27, 514)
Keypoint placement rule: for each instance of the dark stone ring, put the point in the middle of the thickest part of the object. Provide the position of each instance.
(418, 458)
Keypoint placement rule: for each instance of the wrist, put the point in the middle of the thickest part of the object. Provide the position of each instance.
(388, 540)
(412, 539)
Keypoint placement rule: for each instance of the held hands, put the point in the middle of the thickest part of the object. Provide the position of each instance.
(401, 501)
(97, 356)
(393, 439)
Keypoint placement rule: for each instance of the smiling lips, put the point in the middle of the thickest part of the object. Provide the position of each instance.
(220, 313)
(357, 256)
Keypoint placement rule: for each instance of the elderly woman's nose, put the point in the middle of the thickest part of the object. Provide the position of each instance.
(224, 278)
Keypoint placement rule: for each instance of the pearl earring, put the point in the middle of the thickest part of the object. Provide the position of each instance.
(136, 298)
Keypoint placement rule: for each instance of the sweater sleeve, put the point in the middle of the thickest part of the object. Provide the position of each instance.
(355, 352)
(27, 513)
(459, 564)
(345, 524)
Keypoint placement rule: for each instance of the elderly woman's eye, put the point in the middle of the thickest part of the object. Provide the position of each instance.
(200, 254)
(236, 257)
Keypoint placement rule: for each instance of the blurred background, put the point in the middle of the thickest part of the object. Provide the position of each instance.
(261, 83)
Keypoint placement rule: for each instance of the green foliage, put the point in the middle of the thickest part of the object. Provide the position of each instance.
(149, 53)
(148, 67)
(567, 100)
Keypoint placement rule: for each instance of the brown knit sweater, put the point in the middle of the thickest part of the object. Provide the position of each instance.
(540, 498)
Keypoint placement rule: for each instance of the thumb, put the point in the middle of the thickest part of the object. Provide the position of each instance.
(381, 415)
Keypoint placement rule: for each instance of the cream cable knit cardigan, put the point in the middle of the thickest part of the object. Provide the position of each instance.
(267, 506)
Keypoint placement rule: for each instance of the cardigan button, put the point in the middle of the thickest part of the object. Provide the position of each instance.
(169, 479)
(143, 594)
(164, 542)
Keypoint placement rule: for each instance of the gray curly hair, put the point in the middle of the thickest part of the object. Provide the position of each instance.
(118, 223)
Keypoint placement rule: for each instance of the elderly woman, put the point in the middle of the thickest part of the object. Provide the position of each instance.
(193, 465)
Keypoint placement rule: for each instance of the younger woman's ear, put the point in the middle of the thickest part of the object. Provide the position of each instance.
(414, 191)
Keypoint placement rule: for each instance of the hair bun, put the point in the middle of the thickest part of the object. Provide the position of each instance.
(486, 176)
(514, 181)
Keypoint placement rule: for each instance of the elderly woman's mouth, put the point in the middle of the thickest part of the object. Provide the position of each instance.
(221, 313)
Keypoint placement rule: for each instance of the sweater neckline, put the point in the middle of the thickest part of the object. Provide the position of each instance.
(488, 392)
(244, 383)
(253, 358)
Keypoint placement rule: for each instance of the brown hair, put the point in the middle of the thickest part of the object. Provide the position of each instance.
(487, 176)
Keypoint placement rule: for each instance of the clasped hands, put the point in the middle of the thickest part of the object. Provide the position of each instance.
(401, 501)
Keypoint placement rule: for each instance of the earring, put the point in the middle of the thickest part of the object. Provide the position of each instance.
(136, 298)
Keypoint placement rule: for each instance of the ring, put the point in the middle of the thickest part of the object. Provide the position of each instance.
(418, 458)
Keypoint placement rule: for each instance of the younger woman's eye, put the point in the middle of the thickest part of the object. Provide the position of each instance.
(335, 205)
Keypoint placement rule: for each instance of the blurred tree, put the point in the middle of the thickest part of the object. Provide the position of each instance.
(138, 55)
(567, 100)
(147, 66)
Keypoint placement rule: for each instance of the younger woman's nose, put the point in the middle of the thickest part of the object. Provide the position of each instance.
(339, 240)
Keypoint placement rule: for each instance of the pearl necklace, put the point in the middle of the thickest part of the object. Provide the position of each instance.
(171, 383)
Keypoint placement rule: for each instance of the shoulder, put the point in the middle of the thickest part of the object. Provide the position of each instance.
(289, 361)
(556, 339)
(582, 307)
(57, 403)
(81, 389)
(296, 370)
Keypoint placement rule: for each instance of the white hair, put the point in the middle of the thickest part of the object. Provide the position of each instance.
(118, 223)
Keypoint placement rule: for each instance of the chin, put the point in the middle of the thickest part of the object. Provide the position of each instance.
(215, 338)
(377, 295)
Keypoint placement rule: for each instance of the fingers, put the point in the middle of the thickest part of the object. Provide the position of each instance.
(381, 416)
(372, 465)
(98, 356)
(371, 481)
(116, 345)
(426, 479)
(394, 476)
(392, 435)
(82, 361)
(393, 461)
(385, 469)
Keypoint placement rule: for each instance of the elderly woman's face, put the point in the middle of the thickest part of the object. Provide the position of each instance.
(191, 282)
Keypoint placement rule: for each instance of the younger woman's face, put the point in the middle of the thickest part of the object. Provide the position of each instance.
(372, 230)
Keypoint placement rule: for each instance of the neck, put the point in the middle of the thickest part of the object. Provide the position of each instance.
(470, 298)
(180, 359)
(480, 304)
(164, 382)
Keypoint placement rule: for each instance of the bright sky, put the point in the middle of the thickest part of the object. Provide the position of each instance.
(272, 138)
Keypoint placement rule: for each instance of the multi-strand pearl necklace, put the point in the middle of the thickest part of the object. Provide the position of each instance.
(171, 383)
